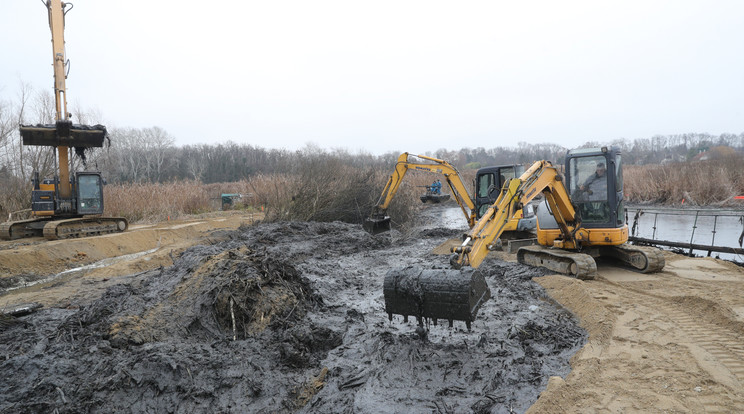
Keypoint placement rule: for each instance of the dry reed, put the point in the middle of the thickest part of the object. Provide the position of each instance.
(710, 182)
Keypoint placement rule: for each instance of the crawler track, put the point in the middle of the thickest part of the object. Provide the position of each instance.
(84, 227)
(576, 264)
(20, 229)
(642, 258)
(581, 265)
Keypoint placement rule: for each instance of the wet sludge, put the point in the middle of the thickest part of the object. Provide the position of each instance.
(286, 317)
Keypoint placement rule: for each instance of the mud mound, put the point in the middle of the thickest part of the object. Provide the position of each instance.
(439, 232)
(285, 317)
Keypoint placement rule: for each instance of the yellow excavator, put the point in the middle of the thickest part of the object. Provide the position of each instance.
(487, 179)
(64, 206)
(585, 220)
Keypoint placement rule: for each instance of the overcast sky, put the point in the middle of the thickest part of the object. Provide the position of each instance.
(399, 75)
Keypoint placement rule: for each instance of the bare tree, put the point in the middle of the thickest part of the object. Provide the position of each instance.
(157, 143)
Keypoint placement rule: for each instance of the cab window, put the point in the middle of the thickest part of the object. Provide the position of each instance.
(484, 182)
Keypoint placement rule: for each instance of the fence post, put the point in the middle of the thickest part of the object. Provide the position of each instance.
(713, 240)
(694, 226)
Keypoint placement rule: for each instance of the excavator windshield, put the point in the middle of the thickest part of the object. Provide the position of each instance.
(89, 190)
(489, 181)
(588, 188)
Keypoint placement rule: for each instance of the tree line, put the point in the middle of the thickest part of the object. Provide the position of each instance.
(150, 154)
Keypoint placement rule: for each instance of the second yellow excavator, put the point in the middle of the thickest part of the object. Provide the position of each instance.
(585, 220)
(487, 183)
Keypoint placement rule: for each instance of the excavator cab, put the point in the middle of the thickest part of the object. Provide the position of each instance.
(488, 184)
(595, 182)
(89, 187)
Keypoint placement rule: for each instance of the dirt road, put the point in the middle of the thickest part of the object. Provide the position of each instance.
(289, 317)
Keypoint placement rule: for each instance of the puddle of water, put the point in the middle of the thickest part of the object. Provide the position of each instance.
(68, 274)
(180, 226)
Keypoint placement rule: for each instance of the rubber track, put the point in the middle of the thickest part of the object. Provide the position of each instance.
(83, 227)
(586, 267)
(654, 258)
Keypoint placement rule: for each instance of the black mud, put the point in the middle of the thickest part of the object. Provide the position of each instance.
(283, 318)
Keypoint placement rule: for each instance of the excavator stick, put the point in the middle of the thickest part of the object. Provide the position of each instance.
(377, 224)
(64, 133)
(435, 294)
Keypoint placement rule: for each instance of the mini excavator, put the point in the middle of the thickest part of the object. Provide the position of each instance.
(63, 206)
(488, 179)
(586, 221)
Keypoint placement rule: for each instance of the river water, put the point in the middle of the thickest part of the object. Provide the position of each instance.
(717, 227)
(670, 224)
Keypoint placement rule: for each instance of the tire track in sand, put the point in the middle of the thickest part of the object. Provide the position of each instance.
(723, 343)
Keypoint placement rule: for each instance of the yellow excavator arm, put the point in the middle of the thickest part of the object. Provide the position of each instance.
(450, 173)
(379, 219)
(57, 25)
(540, 178)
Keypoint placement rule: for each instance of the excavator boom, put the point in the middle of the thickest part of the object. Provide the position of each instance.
(379, 221)
(470, 206)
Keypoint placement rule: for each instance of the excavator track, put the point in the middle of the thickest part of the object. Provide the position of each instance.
(580, 265)
(642, 258)
(20, 229)
(84, 227)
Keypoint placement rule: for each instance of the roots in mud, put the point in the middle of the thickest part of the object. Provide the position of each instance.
(258, 291)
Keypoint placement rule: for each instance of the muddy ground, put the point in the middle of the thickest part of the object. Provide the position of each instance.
(289, 317)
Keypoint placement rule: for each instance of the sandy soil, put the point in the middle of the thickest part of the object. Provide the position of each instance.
(46, 270)
(666, 342)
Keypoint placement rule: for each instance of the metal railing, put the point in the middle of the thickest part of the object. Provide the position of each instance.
(697, 213)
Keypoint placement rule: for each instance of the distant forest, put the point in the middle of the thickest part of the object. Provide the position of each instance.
(149, 155)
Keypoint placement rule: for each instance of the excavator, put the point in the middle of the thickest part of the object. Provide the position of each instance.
(585, 220)
(63, 206)
(488, 181)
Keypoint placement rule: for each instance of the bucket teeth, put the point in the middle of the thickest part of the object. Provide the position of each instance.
(452, 295)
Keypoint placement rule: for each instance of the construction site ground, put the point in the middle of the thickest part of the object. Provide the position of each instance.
(224, 313)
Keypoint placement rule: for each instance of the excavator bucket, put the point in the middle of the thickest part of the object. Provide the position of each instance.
(377, 225)
(64, 133)
(435, 294)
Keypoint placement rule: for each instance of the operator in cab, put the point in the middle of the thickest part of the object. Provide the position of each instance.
(596, 185)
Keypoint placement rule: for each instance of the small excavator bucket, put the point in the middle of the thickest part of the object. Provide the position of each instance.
(435, 294)
(64, 133)
(377, 225)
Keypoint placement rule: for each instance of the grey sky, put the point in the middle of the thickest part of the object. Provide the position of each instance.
(392, 75)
